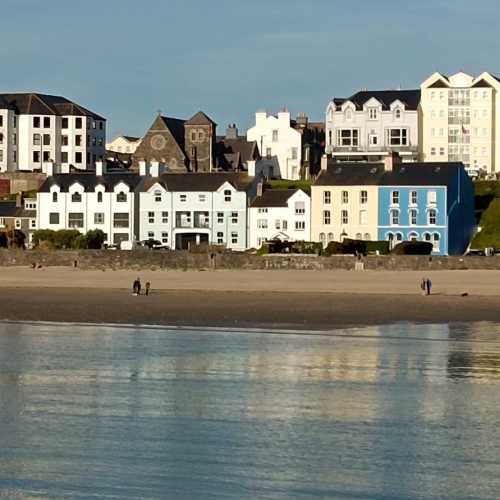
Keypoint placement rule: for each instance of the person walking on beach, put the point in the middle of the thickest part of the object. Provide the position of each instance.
(136, 287)
(428, 286)
(148, 286)
(423, 285)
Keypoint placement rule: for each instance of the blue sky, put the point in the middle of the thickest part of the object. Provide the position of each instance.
(126, 59)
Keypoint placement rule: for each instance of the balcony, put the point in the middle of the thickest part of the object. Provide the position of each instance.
(188, 220)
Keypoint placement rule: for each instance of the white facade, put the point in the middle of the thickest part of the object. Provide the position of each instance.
(29, 141)
(291, 221)
(183, 217)
(275, 137)
(370, 124)
(123, 144)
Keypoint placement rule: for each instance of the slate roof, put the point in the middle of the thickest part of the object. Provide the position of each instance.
(404, 174)
(274, 198)
(197, 181)
(89, 181)
(410, 98)
(9, 209)
(233, 153)
(42, 104)
(200, 118)
(129, 138)
(176, 127)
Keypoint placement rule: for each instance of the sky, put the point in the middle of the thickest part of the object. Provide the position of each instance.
(128, 59)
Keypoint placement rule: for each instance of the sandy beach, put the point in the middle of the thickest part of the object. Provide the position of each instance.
(285, 299)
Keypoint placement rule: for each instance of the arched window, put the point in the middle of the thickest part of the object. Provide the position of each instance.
(330, 237)
(413, 237)
(121, 197)
(76, 197)
(435, 242)
(390, 238)
(99, 197)
(367, 237)
(399, 238)
(359, 236)
(54, 196)
(322, 238)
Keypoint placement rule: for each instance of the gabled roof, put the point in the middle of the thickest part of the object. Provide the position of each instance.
(200, 118)
(203, 181)
(89, 181)
(410, 98)
(176, 127)
(274, 198)
(233, 153)
(404, 174)
(9, 209)
(33, 103)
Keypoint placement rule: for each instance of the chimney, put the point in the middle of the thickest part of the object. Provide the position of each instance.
(49, 169)
(259, 188)
(391, 160)
(100, 168)
(19, 199)
(143, 168)
(260, 117)
(324, 162)
(154, 169)
(232, 131)
(251, 168)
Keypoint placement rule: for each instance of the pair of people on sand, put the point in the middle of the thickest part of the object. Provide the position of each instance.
(425, 286)
(136, 287)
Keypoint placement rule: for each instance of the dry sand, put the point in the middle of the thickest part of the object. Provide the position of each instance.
(286, 299)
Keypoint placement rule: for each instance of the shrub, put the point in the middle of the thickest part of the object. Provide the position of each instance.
(382, 247)
(308, 247)
(412, 248)
(3, 239)
(490, 227)
(347, 246)
(65, 238)
(43, 235)
(95, 239)
(15, 238)
(68, 239)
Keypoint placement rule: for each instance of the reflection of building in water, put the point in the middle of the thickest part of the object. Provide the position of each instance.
(475, 352)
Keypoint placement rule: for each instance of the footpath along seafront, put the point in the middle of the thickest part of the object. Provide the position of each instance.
(291, 298)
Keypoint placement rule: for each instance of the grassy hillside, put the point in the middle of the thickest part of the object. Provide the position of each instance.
(487, 202)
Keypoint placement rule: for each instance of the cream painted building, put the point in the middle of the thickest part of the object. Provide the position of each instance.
(459, 120)
(344, 204)
(123, 144)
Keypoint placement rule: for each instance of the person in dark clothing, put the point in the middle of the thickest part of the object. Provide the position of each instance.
(428, 286)
(148, 286)
(136, 287)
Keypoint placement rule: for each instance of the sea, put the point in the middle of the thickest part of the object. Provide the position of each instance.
(403, 411)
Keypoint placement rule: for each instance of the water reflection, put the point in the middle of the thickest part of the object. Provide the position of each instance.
(401, 411)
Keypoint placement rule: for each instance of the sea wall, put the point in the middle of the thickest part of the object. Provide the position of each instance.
(159, 259)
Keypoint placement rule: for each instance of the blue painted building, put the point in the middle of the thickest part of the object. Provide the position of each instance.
(431, 202)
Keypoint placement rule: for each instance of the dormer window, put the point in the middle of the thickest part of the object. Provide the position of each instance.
(54, 197)
(76, 198)
(397, 114)
(158, 195)
(348, 114)
(99, 197)
(372, 113)
(227, 195)
(121, 197)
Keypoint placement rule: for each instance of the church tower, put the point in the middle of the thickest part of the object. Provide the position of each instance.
(199, 143)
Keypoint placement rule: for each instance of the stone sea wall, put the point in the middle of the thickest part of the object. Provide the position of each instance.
(159, 259)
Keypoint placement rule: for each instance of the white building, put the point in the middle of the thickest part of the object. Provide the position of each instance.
(123, 144)
(369, 124)
(183, 209)
(283, 214)
(88, 200)
(275, 137)
(37, 129)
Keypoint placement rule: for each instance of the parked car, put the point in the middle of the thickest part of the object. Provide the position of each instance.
(152, 244)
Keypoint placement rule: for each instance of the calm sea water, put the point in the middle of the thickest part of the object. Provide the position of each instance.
(393, 412)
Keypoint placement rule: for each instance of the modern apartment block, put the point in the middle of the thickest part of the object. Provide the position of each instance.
(370, 124)
(459, 120)
(36, 129)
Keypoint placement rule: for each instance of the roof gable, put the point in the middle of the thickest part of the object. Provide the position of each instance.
(200, 118)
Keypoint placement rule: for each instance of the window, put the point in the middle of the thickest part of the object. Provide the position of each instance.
(261, 211)
(345, 197)
(413, 217)
(64, 157)
(1, 155)
(363, 217)
(101, 125)
(46, 156)
(78, 123)
(277, 224)
(327, 217)
(300, 208)
(395, 197)
(397, 114)
(64, 123)
(36, 122)
(345, 217)
(234, 237)
(435, 242)
(75, 219)
(78, 157)
(268, 152)
(183, 198)
(76, 197)
(262, 223)
(164, 237)
(1, 136)
(294, 153)
(202, 198)
(64, 140)
(327, 197)
(413, 197)
(397, 137)
(363, 197)
(46, 139)
(275, 136)
(330, 237)
(99, 196)
(300, 225)
(120, 219)
(151, 235)
(431, 217)
(36, 156)
(46, 122)
(413, 237)
(78, 140)
(431, 198)
(164, 217)
(32, 223)
(54, 197)
(98, 218)
(441, 151)
(348, 137)
(1, 121)
(220, 238)
(227, 195)
(358, 236)
(157, 195)
(53, 218)
(373, 140)
(367, 237)
(36, 139)
(372, 113)
(220, 217)
(433, 151)
(121, 197)
(234, 218)
(151, 217)
(17, 223)
(394, 214)
(322, 238)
